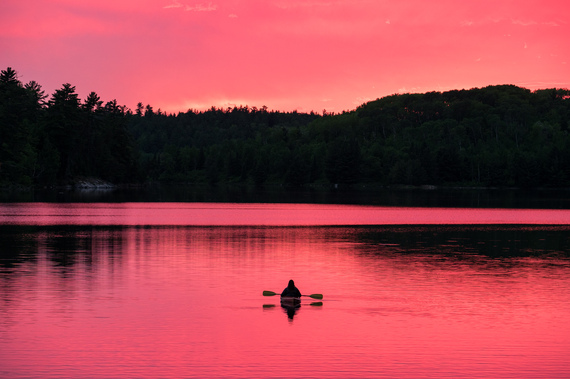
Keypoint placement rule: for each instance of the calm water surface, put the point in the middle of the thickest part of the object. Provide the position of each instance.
(86, 291)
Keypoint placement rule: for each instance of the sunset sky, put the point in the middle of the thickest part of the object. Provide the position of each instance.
(284, 54)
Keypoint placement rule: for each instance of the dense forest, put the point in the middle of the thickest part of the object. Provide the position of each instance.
(492, 136)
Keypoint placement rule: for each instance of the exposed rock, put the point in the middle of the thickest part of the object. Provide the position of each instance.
(92, 184)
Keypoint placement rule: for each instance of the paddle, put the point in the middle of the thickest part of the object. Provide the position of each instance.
(314, 296)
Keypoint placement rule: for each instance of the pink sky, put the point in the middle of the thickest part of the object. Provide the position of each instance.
(285, 54)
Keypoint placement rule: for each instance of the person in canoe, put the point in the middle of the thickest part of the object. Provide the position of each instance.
(291, 299)
(291, 290)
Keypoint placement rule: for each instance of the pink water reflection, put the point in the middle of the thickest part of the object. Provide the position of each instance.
(204, 214)
(184, 302)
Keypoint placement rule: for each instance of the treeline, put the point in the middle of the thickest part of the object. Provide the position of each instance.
(493, 136)
(52, 141)
(239, 144)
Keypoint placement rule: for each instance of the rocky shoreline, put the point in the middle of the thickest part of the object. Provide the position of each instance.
(84, 183)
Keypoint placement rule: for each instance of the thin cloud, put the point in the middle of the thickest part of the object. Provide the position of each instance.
(524, 23)
(202, 8)
(542, 84)
(176, 4)
(193, 8)
(532, 23)
(512, 21)
(404, 90)
(305, 4)
(361, 100)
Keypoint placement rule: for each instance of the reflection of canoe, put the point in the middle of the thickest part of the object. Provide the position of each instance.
(290, 305)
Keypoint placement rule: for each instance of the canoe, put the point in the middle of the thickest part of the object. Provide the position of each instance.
(290, 301)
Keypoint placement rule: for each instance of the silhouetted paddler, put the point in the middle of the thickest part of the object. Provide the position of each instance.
(291, 290)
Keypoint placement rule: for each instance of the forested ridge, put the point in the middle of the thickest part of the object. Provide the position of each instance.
(493, 136)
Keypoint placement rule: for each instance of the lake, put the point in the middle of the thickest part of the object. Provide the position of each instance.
(174, 290)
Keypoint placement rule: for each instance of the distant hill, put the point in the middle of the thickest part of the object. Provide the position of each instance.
(493, 136)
